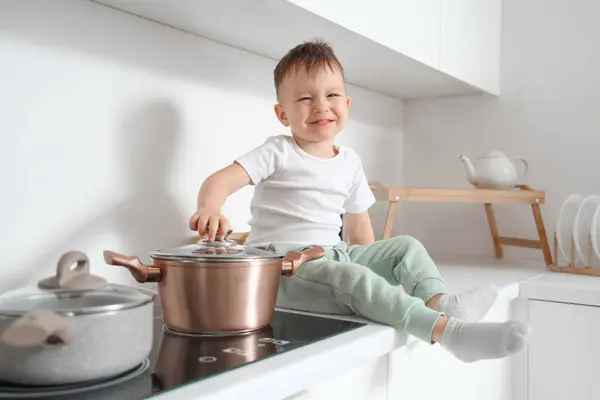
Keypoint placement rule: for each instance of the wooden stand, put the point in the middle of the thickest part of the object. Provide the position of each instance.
(572, 268)
(520, 195)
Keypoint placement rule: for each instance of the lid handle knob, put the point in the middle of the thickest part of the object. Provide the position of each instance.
(219, 241)
(73, 272)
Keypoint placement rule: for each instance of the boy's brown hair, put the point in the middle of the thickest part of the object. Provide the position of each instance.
(312, 55)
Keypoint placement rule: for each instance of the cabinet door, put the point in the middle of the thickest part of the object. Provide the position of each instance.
(470, 41)
(367, 381)
(564, 351)
(411, 27)
(421, 371)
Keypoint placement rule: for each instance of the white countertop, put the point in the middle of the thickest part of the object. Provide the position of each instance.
(563, 287)
(319, 361)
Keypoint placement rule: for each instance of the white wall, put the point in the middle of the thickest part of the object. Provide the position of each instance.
(546, 112)
(110, 122)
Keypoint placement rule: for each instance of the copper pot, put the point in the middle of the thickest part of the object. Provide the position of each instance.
(184, 358)
(216, 287)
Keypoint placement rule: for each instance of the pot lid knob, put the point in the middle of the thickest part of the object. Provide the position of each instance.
(73, 272)
(220, 241)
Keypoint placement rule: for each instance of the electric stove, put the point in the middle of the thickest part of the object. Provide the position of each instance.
(178, 359)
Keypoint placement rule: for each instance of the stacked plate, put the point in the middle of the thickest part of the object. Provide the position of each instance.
(579, 218)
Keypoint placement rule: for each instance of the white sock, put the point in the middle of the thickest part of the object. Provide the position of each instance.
(470, 306)
(471, 342)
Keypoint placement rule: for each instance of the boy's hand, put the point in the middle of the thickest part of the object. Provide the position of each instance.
(209, 222)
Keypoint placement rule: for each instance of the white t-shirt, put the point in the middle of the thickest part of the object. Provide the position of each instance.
(299, 198)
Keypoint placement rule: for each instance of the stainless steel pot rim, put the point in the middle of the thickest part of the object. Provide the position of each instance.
(209, 252)
(113, 298)
(100, 310)
(213, 260)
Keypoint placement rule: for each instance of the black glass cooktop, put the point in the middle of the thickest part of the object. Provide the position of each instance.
(178, 360)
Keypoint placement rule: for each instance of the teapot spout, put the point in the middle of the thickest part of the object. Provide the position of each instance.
(470, 170)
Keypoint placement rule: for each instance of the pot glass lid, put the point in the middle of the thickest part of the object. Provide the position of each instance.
(224, 250)
(72, 302)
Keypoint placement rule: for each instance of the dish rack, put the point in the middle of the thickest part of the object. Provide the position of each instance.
(586, 269)
(521, 194)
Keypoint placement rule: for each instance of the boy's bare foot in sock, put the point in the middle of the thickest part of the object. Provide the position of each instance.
(471, 342)
(469, 306)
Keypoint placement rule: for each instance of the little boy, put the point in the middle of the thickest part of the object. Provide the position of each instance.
(304, 183)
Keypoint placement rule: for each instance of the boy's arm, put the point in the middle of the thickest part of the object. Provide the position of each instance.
(213, 193)
(359, 228)
(252, 168)
(220, 185)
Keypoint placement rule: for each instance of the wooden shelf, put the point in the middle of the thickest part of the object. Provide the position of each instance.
(521, 194)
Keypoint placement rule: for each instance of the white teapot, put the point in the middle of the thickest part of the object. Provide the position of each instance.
(494, 170)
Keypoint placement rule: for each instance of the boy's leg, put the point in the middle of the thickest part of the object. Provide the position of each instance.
(333, 284)
(327, 285)
(323, 284)
(403, 260)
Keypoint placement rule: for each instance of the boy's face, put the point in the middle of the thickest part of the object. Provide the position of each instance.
(314, 105)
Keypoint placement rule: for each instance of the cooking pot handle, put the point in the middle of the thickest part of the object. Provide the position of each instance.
(39, 328)
(293, 259)
(68, 277)
(142, 273)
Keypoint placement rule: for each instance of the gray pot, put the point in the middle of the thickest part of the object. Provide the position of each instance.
(73, 327)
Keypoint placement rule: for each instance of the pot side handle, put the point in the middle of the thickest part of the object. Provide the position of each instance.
(39, 328)
(142, 273)
(293, 259)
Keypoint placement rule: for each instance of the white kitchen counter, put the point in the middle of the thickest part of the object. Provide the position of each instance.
(563, 287)
(285, 374)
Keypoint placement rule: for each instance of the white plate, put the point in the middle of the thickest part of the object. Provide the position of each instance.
(583, 225)
(564, 227)
(595, 232)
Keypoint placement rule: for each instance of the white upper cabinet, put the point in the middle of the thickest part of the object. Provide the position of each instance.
(470, 41)
(458, 37)
(402, 48)
(411, 27)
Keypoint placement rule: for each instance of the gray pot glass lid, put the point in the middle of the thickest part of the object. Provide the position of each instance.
(71, 301)
(73, 290)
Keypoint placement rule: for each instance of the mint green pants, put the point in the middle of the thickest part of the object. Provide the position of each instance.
(388, 281)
